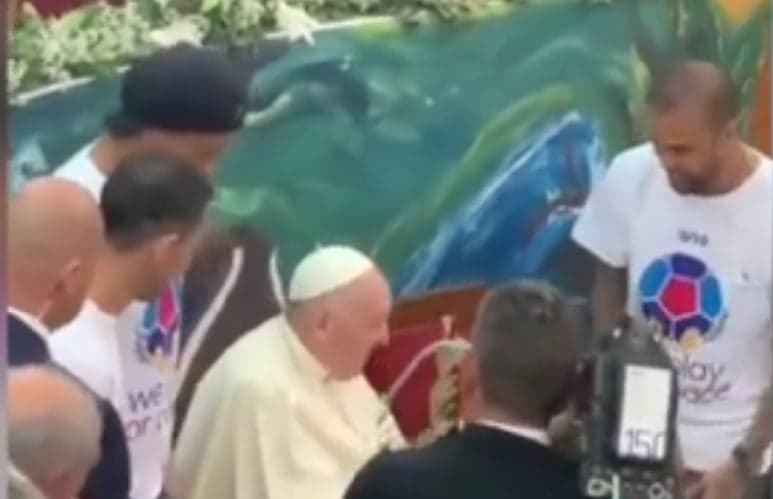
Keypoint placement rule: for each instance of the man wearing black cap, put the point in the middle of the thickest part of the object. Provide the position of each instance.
(186, 102)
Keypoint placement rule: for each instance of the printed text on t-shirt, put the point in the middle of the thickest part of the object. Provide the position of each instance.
(701, 382)
(693, 237)
(148, 412)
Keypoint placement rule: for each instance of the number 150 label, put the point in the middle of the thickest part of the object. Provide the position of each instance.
(642, 444)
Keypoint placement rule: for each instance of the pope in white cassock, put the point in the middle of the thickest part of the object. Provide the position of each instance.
(286, 413)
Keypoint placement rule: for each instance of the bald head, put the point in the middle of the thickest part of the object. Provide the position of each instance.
(54, 232)
(697, 83)
(340, 302)
(53, 429)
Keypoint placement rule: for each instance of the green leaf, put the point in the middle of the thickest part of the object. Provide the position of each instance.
(705, 25)
(209, 6)
(745, 54)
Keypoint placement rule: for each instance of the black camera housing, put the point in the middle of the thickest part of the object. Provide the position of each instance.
(603, 472)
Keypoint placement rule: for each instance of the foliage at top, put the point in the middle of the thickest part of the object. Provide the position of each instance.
(98, 38)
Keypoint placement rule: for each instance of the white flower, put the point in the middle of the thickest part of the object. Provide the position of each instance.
(180, 31)
(296, 23)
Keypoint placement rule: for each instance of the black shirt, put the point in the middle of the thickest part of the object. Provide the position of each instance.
(477, 463)
(110, 478)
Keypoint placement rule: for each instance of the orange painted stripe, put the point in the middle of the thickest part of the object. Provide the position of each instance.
(738, 10)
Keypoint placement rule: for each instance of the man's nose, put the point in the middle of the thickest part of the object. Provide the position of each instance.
(668, 163)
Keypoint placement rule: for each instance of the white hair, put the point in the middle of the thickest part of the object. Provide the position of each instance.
(19, 486)
(57, 440)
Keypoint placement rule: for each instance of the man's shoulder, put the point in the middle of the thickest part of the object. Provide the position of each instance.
(86, 358)
(628, 174)
(634, 162)
(81, 169)
(25, 346)
(257, 361)
(487, 468)
(80, 337)
(394, 474)
(417, 460)
(766, 166)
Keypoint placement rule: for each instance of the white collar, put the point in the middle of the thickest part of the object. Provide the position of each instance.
(534, 434)
(31, 321)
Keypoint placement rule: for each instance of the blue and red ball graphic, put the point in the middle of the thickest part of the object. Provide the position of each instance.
(682, 298)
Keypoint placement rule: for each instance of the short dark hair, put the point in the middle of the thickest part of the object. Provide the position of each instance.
(151, 194)
(119, 126)
(527, 341)
(694, 81)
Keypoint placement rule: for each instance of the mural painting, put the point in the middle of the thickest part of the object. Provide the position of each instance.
(457, 154)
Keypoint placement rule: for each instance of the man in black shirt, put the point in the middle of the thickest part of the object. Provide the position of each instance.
(526, 343)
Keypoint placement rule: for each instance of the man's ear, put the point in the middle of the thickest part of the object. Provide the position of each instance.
(70, 278)
(732, 129)
(324, 321)
(163, 247)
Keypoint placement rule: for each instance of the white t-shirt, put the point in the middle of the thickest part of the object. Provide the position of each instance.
(699, 268)
(88, 347)
(82, 170)
(148, 342)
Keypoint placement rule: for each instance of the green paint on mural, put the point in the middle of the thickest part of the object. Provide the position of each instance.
(374, 135)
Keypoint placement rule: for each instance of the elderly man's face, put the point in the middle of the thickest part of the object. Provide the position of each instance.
(358, 319)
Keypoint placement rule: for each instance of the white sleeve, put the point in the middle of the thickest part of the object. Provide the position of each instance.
(604, 225)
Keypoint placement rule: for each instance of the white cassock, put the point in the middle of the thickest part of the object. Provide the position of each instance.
(267, 423)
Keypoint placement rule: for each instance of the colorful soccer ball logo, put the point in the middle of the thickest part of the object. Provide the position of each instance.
(682, 299)
(156, 335)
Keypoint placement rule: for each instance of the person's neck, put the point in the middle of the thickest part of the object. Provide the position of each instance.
(490, 414)
(739, 163)
(106, 154)
(24, 300)
(111, 287)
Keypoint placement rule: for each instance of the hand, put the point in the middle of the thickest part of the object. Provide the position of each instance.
(725, 482)
(562, 425)
(565, 433)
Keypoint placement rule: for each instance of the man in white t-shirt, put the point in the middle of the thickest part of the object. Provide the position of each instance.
(153, 206)
(187, 102)
(681, 228)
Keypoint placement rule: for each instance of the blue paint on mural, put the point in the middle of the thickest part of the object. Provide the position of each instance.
(520, 220)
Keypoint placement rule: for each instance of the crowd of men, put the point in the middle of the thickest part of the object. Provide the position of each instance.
(97, 253)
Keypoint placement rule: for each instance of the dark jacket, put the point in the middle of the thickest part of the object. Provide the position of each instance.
(110, 478)
(477, 463)
(25, 345)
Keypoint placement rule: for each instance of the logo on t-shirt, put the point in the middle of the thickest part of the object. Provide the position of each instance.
(682, 299)
(157, 333)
